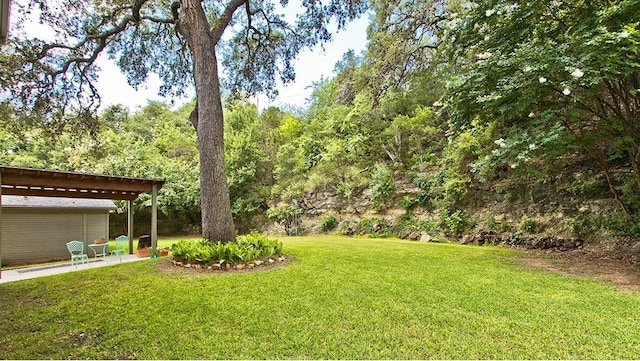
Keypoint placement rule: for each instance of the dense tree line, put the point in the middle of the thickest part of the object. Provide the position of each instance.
(470, 102)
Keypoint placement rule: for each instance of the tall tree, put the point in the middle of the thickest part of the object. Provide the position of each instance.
(53, 75)
(403, 39)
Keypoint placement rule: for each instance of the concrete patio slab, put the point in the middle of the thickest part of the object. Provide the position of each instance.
(18, 274)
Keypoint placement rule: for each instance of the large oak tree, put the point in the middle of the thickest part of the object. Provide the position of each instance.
(51, 77)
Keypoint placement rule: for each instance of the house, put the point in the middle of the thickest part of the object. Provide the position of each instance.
(36, 229)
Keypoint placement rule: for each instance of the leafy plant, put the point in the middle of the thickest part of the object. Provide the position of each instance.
(382, 186)
(328, 223)
(374, 227)
(247, 248)
(454, 222)
(528, 225)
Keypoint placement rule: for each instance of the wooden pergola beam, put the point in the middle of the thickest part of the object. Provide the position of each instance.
(29, 181)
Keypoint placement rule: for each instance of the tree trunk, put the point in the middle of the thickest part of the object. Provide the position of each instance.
(217, 222)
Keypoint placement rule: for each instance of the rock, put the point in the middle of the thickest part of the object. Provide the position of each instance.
(258, 262)
(251, 265)
(466, 239)
(280, 258)
(215, 266)
(415, 235)
(240, 266)
(425, 237)
(271, 260)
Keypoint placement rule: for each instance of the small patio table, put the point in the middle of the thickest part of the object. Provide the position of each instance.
(99, 250)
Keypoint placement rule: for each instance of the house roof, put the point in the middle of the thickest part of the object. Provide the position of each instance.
(49, 183)
(56, 203)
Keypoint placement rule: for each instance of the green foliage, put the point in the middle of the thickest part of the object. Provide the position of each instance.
(543, 75)
(409, 203)
(373, 227)
(406, 139)
(288, 217)
(529, 225)
(492, 224)
(587, 187)
(246, 249)
(328, 223)
(615, 222)
(382, 186)
(248, 164)
(454, 223)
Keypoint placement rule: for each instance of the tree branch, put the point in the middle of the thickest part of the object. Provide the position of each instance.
(220, 25)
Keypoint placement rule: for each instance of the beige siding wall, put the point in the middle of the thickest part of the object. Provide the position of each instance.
(97, 226)
(32, 236)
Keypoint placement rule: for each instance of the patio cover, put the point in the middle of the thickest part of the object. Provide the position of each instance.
(48, 183)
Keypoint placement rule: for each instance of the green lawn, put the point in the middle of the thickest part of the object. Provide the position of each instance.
(342, 298)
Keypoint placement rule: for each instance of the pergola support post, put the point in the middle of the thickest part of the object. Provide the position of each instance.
(0, 224)
(154, 216)
(130, 224)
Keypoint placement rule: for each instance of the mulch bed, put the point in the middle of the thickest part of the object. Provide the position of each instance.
(619, 266)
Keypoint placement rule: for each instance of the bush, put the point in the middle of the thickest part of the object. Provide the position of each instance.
(328, 223)
(247, 248)
(528, 225)
(373, 227)
(492, 224)
(410, 203)
(454, 223)
(382, 186)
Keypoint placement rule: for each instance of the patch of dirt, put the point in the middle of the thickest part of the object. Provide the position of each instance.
(621, 266)
(168, 267)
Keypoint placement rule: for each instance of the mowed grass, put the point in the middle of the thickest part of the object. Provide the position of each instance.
(341, 298)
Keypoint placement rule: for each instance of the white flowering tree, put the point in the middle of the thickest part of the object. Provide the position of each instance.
(565, 70)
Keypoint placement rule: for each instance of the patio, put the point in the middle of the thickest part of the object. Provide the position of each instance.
(17, 181)
(41, 270)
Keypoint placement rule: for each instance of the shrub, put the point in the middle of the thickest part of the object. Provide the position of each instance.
(528, 225)
(382, 186)
(247, 248)
(373, 227)
(328, 223)
(491, 223)
(453, 222)
(410, 203)
(405, 226)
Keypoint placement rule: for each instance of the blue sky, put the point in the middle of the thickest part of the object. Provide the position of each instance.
(310, 67)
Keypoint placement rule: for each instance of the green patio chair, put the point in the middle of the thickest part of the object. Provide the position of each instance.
(119, 250)
(76, 248)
